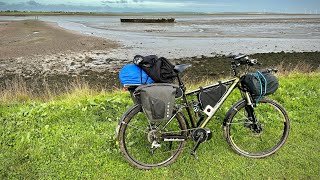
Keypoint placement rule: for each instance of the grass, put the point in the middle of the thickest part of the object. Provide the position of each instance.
(72, 137)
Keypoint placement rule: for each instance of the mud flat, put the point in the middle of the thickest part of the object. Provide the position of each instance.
(45, 56)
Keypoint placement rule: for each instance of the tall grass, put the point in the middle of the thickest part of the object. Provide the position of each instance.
(18, 89)
(301, 67)
(15, 90)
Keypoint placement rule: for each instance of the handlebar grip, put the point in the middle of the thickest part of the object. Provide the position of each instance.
(240, 56)
(236, 56)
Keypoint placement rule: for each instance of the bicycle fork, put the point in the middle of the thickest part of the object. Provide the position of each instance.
(252, 123)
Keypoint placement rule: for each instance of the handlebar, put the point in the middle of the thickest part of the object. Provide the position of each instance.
(243, 59)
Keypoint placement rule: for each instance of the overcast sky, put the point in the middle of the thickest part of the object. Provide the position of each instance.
(284, 6)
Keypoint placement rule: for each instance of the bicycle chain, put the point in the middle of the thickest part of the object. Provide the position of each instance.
(166, 132)
(185, 147)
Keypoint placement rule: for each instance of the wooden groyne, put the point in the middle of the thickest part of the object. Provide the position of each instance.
(141, 20)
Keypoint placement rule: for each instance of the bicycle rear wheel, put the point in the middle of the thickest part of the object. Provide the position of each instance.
(260, 139)
(147, 145)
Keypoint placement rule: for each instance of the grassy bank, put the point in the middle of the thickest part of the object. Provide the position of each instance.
(71, 136)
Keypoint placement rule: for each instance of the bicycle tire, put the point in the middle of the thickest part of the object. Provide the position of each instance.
(134, 140)
(274, 133)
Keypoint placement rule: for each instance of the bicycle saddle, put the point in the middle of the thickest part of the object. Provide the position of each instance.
(181, 67)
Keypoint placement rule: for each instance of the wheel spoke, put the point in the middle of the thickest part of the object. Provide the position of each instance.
(148, 148)
(135, 128)
(261, 138)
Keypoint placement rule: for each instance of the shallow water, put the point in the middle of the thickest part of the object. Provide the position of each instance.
(199, 34)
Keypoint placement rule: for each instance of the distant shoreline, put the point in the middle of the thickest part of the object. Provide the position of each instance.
(39, 13)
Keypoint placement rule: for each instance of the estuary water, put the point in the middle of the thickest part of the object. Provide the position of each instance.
(196, 35)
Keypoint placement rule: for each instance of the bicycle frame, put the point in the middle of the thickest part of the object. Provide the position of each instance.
(210, 111)
(164, 141)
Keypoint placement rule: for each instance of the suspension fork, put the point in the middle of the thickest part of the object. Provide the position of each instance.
(249, 107)
(251, 114)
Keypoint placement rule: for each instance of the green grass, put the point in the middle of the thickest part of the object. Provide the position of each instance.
(72, 137)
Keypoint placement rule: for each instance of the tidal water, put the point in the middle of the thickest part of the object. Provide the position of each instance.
(194, 35)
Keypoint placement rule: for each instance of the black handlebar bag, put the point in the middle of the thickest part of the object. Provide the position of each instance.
(260, 83)
(157, 100)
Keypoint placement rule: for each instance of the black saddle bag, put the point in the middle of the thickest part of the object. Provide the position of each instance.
(157, 100)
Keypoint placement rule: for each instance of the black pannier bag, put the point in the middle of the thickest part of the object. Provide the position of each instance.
(159, 69)
(260, 84)
(211, 96)
(157, 100)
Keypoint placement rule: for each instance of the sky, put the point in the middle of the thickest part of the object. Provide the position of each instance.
(206, 6)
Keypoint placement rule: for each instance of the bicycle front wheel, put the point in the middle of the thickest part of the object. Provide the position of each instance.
(146, 144)
(261, 138)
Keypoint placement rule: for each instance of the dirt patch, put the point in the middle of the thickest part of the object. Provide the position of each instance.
(31, 37)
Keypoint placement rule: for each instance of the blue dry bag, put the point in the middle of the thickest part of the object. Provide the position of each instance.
(132, 74)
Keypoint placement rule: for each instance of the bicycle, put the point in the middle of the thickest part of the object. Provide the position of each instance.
(252, 128)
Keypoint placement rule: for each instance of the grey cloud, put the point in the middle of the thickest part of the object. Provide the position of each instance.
(108, 2)
(120, 1)
(33, 3)
(34, 6)
(115, 2)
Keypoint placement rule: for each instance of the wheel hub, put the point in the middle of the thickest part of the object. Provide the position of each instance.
(152, 135)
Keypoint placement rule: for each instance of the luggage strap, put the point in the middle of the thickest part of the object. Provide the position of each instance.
(263, 89)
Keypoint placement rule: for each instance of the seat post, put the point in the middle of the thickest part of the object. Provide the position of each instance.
(183, 88)
(181, 84)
